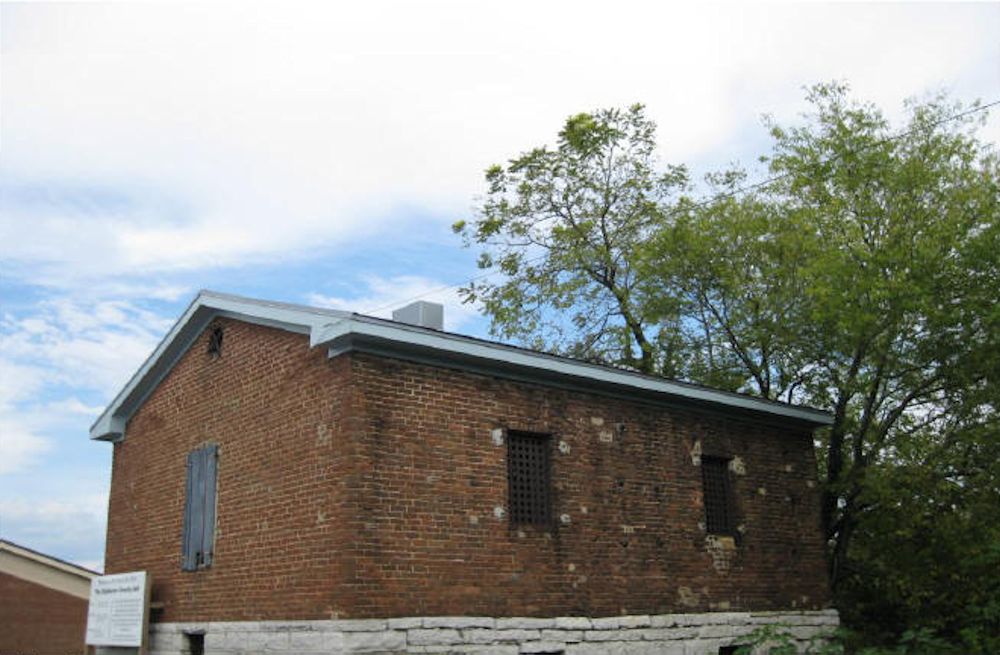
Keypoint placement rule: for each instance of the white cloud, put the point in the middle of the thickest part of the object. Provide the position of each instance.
(382, 295)
(54, 510)
(18, 382)
(71, 528)
(20, 443)
(19, 448)
(64, 348)
(74, 406)
(92, 345)
(228, 135)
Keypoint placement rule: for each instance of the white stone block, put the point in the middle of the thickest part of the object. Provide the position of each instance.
(612, 635)
(373, 642)
(634, 621)
(433, 637)
(806, 632)
(727, 618)
(359, 625)
(573, 623)
(606, 623)
(479, 635)
(603, 648)
(667, 634)
(516, 635)
(541, 647)
(225, 641)
(650, 648)
(522, 622)
(459, 622)
(166, 641)
(277, 626)
(663, 621)
(260, 641)
(720, 631)
(405, 623)
(315, 641)
(704, 646)
(492, 649)
(562, 635)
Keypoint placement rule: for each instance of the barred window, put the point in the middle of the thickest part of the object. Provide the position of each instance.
(720, 514)
(529, 478)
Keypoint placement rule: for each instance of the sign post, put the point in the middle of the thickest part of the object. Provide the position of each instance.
(118, 614)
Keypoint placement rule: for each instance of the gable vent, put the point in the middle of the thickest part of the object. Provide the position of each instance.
(421, 314)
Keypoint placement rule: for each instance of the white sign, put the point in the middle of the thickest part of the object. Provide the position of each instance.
(116, 615)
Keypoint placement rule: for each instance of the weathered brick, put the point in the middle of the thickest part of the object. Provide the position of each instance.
(364, 487)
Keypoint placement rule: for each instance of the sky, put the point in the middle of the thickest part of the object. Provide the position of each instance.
(318, 154)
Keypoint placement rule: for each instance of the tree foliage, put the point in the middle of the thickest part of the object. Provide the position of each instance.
(862, 279)
(565, 226)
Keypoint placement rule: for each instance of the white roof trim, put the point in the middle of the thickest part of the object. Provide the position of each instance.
(340, 331)
(356, 329)
(110, 425)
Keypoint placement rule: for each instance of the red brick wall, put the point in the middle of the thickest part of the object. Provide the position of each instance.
(37, 620)
(276, 409)
(633, 544)
(366, 487)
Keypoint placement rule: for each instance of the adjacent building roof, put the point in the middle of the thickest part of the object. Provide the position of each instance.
(45, 570)
(340, 331)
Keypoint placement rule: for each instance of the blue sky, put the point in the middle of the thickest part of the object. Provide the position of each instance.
(319, 154)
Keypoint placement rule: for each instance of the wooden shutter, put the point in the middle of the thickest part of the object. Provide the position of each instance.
(189, 560)
(210, 457)
(199, 508)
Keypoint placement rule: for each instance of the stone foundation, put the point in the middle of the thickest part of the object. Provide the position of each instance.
(665, 634)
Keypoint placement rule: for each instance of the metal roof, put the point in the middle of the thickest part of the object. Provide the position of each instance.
(341, 331)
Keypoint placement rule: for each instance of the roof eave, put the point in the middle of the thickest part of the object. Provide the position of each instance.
(341, 331)
(381, 337)
(207, 305)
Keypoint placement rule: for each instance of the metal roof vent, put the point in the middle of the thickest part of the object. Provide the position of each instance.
(422, 314)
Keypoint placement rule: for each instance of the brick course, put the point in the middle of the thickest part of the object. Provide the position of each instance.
(37, 620)
(367, 487)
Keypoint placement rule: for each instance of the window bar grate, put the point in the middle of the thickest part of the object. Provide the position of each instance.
(528, 475)
(718, 500)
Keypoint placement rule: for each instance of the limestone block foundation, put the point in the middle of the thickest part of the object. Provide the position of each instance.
(664, 634)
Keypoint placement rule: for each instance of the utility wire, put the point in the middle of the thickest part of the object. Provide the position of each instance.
(698, 205)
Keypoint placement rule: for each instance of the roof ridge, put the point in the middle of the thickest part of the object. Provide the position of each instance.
(340, 329)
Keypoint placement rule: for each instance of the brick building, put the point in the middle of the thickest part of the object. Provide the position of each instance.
(307, 480)
(43, 602)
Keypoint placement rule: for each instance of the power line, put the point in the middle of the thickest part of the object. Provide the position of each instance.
(719, 196)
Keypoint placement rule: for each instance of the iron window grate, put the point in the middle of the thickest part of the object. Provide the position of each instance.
(719, 513)
(529, 478)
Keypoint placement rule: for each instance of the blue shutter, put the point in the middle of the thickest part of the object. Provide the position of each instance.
(211, 458)
(197, 507)
(188, 561)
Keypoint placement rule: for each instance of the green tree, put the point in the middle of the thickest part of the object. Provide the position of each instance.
(565, 225)
(862, 280)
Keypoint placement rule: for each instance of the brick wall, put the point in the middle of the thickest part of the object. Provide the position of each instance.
(628, 536)
(37, 620)
(367, 487)
(276, 409)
